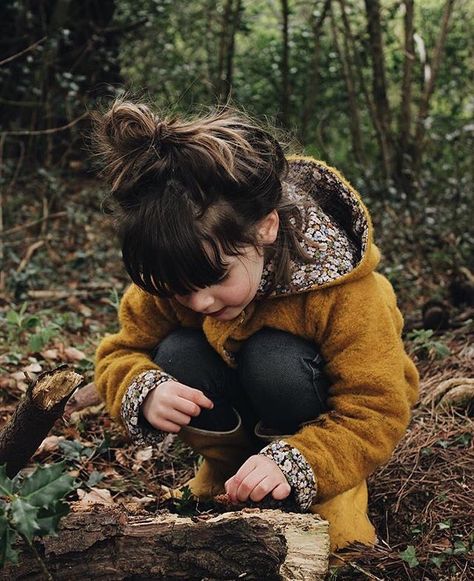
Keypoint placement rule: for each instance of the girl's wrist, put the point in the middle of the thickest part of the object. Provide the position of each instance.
(296, 469)
(133, 418)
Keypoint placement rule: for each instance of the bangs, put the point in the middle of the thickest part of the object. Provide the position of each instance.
(177, 255)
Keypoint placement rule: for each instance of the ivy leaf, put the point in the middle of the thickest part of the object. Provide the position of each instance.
(7, 538)
(48, 519)
(47, 485)
(24, 517)
(409, 556)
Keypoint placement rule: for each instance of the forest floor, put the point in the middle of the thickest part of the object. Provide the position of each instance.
(63, 282)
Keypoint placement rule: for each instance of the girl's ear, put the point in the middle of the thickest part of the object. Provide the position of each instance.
(268, 228)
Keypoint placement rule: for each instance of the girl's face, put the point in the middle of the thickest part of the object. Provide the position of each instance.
(228, 298)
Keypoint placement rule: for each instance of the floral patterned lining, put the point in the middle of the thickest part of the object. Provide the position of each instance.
(296, 469)
(138, 428)
(335, 252)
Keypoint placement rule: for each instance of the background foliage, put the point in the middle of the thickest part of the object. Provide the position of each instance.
(306, 67)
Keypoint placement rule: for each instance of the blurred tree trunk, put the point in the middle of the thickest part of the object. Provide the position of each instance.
(230, 25)
(236, 13)
(404, 154)
(349, 73)
(311, 93)
(428, 89)
(379, 85)
(284, 115)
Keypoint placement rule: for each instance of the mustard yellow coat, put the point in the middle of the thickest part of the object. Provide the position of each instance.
(352, 317)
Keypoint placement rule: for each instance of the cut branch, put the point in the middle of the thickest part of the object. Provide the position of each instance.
(42, 404)
(252, 544)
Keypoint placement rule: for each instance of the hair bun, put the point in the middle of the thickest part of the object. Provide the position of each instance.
(123, 138)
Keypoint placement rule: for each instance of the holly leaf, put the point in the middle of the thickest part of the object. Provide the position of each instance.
(24, 517)
(46, 485)
(6, 484)
(48, 519)
(7, 538)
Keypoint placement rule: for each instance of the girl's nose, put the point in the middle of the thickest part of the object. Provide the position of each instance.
(200, 301)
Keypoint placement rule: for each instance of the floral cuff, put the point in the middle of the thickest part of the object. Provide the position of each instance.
(138, 428)
(296, 469)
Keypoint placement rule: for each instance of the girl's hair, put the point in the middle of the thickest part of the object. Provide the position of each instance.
(189, 191)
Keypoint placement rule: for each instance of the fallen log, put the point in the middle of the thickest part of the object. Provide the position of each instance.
(35, 415)
(107, 543)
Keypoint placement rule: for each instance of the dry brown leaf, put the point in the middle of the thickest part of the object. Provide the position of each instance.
(121, 458)
(142, 456)
(73, 354)
(52, 354)
(94, 496)
(32, 368)
(48, 445)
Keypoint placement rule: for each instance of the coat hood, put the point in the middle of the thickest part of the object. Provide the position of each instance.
(340, 257)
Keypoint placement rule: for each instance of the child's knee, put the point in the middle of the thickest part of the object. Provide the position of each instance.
(283, 377)
(186, 355)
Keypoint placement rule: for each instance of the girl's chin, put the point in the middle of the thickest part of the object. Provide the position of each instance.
(226, 314)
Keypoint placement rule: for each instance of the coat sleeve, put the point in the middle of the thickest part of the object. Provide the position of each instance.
(374, 383)
(144, 321)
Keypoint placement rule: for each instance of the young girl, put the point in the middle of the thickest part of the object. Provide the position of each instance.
(256, 327)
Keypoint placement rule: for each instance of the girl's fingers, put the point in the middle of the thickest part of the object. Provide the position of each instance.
(196, 396)
(166, 426)
(232, 485)
(261, 489)
(187, 407)
(177, 417)
(281, 491)
(250, 484)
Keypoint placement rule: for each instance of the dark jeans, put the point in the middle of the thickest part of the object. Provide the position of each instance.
(279, 378)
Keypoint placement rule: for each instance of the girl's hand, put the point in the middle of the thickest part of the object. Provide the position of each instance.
(172, 405)
(257, 477)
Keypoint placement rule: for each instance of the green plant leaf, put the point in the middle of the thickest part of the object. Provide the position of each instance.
(31, 322)
(74, 450)
(36, 342)
(48, 519)
(459, 548)
(47, 485)
(7, 538)
(94, 478)
(6, 484)
(438, 560)
(24, 517)
(409, 556)
(13, 318)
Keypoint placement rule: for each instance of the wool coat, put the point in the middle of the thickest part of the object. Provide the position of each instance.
(340, 303)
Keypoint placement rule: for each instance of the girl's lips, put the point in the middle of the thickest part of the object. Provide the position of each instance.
(217, 313)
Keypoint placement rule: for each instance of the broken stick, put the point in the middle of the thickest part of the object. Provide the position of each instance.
(42, 404)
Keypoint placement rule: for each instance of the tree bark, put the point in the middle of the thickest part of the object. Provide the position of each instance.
(285, 73)
(42, 404)
(429, 87)
(349, 78)
(404, 144)
(379, 83)
(105, 543)
(229, 77)
(309, 104)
